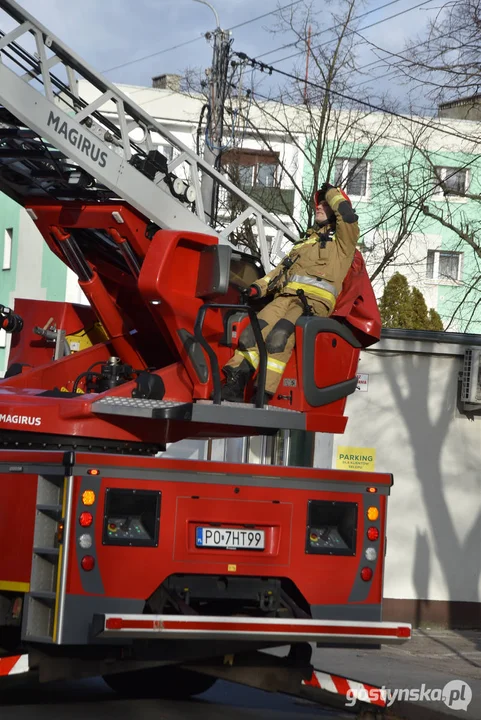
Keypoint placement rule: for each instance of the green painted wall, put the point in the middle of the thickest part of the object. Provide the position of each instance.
(54, 275)
(9, 219)
(387, 162)
(35, 271)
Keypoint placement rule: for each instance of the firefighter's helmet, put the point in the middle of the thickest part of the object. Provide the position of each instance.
(319, 195)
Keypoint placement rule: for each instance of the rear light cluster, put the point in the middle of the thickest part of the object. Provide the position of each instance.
(373, 534)
(85, 521)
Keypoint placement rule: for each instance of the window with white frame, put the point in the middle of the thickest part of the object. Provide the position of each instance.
(7, 249)
(353, 175)
(450, 181)
(252, 168)
(443, 265)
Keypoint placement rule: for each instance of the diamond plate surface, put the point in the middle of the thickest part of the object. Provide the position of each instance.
(138, 402)
(203, 411)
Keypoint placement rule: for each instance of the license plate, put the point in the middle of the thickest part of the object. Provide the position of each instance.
(230, 538)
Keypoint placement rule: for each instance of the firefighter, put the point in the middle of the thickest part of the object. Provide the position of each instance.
(316, 265)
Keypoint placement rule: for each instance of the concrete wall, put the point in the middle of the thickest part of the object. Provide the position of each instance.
(411, 417)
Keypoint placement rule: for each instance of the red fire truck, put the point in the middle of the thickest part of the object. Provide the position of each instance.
(162, 575)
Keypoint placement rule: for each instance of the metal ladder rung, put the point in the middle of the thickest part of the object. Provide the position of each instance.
(44, 596)
(53, 511)
(46, 552)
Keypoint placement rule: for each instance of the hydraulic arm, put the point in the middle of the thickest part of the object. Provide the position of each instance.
(140, 367)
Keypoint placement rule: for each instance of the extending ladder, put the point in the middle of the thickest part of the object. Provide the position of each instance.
(49, 122)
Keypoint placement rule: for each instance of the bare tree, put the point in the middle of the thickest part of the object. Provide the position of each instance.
(282, 142)
(316, 130)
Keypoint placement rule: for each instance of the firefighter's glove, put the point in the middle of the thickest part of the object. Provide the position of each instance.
(321, 193)
(248, 293)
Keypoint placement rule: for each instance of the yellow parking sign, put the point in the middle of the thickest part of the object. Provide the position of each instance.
(355, 458)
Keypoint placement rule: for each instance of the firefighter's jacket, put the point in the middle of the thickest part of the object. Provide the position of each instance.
(318, 264)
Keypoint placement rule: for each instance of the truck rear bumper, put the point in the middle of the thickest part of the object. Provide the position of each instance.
(251, 629)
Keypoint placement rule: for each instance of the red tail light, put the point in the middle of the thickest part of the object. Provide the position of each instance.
(366, 574)
(86, 519)
(373, 533)
(87, 563)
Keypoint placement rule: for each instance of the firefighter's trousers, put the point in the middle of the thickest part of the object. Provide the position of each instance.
(277, 322)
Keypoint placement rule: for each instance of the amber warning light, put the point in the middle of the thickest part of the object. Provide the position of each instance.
(60, 528)
(88, 497)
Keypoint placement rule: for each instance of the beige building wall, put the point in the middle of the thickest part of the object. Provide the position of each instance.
(409, 413)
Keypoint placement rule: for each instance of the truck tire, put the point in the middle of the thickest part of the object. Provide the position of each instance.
(168, 682)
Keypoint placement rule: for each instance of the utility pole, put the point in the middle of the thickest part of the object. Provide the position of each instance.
(216, 92)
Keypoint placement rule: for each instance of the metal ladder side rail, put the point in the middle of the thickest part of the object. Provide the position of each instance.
(125, 107)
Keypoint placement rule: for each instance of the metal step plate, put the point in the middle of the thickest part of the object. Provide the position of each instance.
(136, 407)
(247, 415)
(204, 411)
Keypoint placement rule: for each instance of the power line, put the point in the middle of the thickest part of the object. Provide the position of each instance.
(159, 52)
(329, 29)
(396, 140)
(366, 27)
(391, 65)
(260, 17)
(193, 40)
(380, 61)
(270, 68)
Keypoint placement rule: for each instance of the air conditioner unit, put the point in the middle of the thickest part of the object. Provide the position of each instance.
(471, 377)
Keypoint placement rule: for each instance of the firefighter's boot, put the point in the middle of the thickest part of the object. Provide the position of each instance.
(237, 379)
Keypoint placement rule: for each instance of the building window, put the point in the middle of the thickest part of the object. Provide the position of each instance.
(257, 173)
(7, 249)
(443, 265)
(254, 168)
(353, 176)
(452, 181)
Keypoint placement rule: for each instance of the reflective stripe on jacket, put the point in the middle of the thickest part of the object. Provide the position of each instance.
(321, 289)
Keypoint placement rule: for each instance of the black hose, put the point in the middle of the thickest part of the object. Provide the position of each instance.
(85, 374)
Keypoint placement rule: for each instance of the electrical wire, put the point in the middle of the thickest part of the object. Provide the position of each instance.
(193, 40)
(325, 30)
(382, 61)
(395, 140)
(270, 68)
(424, 196)
(351, 32)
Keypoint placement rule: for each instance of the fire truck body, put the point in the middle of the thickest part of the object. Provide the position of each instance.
(121, 560)
(183, 299)
(206, 558)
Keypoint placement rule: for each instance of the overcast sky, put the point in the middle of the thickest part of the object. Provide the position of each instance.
(108, 33)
